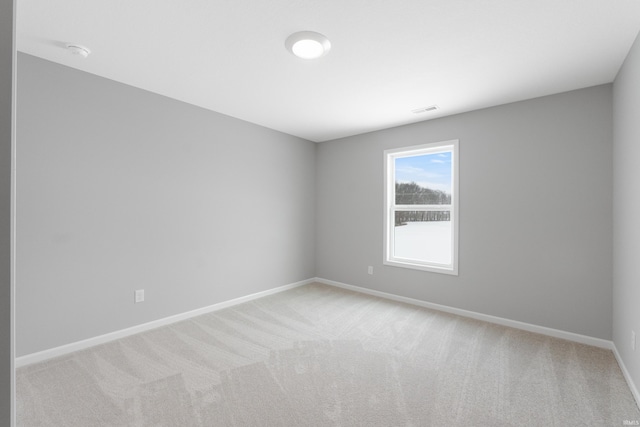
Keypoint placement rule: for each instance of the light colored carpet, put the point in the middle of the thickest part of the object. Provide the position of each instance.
(321, 356)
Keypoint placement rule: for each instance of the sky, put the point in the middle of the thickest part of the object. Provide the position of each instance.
(427, 170)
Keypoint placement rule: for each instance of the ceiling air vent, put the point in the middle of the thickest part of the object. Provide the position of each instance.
(425, 109)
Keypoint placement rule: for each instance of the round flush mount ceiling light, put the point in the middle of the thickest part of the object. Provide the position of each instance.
(79, 50)
(308, 44)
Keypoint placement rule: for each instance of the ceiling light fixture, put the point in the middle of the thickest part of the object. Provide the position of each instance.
(76, 49)
(308, 44)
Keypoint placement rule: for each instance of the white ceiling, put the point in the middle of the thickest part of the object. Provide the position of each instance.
(388, 57)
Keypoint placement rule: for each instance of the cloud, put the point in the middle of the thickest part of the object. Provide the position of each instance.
(437, 161)
(416, 172)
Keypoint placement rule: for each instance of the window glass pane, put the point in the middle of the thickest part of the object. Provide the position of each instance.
(423, 236)
(424, 179)
(421, 215)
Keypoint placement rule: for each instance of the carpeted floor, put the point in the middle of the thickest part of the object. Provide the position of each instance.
(322, 356)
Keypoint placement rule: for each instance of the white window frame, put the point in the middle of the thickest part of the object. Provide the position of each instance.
(390, 207)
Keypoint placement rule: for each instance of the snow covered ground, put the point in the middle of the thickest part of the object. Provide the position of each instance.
(424, 240)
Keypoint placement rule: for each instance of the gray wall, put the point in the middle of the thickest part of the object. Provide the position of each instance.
(626, 208)
(7, 151)
(121, 189)
(535, 212)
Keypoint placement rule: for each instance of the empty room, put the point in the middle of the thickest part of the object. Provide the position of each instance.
(305, 213)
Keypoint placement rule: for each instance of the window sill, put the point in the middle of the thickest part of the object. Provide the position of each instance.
(453, 271)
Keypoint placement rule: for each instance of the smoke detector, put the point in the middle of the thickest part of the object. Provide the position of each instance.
(79, 50)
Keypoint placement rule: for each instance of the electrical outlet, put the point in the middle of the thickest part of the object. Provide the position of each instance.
(370, 270)
(139, 296)
(633, 340)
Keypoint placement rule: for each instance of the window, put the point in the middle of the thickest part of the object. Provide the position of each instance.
(421, 207)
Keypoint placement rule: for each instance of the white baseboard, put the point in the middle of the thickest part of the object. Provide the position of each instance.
(627, 376)
(570, 336)
(101, 339)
